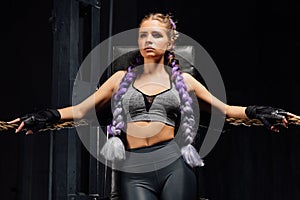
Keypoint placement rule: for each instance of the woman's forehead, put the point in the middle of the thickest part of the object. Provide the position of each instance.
(152, 25)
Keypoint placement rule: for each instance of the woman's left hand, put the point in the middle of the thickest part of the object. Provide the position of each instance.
(269, 116)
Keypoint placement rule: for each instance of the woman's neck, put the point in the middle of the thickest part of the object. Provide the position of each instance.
(152, 67)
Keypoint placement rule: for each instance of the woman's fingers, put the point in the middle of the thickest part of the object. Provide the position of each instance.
(29, 132)
(293, 115)
(285, 122)
(14, 121)
(21, 126)
(19, 129)
(274, 128)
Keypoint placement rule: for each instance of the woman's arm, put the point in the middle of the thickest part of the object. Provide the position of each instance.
(204, 95)
(266, 114)
(97, 99)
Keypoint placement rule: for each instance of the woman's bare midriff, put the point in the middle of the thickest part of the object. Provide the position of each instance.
(144, 133)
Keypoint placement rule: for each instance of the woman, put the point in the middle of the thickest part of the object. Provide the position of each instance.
(149, 100)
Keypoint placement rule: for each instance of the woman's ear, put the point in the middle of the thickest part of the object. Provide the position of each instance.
(170, 45)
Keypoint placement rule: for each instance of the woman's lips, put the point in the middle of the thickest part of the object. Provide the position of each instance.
(149, 48)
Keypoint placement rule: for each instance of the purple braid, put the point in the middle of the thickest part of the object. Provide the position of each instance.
(118, 123)
(187, 129)
(114, 148)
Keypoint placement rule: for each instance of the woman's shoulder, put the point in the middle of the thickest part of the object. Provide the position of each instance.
(187, 76)
(118, 75)
(191, 81)
(116, 78)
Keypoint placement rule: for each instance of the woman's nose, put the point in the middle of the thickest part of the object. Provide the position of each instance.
(148, 42)
(149, 39)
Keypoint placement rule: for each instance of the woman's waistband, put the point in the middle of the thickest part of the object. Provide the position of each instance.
(146, 159)
(151, 148)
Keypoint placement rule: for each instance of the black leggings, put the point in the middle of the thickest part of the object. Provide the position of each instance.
(175, 181)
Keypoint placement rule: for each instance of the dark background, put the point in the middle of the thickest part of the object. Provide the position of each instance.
(255, 46)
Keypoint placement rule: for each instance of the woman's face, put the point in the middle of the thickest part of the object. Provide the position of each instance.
(153, 40)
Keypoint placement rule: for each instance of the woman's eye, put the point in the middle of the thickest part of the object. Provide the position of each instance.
(142, 35)
(157, 35)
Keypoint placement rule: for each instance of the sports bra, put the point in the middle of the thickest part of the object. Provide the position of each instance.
(162, 107)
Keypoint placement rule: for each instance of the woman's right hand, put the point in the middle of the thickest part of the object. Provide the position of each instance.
(36, 121)
(21, 125)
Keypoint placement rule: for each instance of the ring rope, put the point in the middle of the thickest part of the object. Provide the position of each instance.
(4, 126)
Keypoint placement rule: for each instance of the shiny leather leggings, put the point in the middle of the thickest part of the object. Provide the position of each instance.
(176, 181)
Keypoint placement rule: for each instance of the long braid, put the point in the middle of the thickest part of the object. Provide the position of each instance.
(114, 147)
(187, 125)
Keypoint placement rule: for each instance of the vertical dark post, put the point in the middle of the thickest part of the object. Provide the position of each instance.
(99, 173)
(65, 65)
(76, 29)
(111, 9)
(95, 167)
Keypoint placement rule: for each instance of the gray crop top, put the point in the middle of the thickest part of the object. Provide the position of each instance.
(162, 107)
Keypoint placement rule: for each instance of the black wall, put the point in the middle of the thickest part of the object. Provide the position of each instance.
(255, 46)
